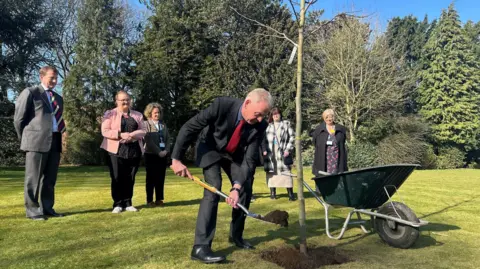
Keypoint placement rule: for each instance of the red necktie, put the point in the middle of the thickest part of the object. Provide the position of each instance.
(235, 139)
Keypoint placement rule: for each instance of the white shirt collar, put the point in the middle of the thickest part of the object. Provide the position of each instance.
(44, 87)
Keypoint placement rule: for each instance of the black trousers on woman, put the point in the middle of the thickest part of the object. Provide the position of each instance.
(155, 180)
(122, 173)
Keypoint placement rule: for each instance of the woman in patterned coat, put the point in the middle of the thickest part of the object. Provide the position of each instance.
(279, 141)
(329, 141)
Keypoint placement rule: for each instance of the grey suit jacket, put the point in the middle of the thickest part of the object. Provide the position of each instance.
(33, 119)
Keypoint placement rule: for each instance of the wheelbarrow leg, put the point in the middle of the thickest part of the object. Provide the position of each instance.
(361, 225)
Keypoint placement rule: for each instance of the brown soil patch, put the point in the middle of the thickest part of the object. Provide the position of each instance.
(291, 258)
(277, 217)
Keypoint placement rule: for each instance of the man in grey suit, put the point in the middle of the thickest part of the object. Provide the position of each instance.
(39, 125)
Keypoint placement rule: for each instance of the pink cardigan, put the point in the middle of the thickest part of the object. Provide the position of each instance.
(111, 126)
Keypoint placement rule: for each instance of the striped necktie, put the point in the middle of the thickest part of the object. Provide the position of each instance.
(57, 112)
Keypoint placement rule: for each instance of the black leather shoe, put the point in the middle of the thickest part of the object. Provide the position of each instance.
(240, 243)
(205, 255)
(55, 215)
(38, 218)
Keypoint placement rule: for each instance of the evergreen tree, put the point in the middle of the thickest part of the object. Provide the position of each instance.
(448, 93)
(102, 63)
(249, 56)
(170, 60)
(473, 31)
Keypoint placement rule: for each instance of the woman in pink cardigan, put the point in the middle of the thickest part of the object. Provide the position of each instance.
(122, 131)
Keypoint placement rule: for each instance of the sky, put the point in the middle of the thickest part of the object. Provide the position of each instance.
(383, 10)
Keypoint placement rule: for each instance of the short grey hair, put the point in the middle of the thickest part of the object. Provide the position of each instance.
(328, 112)
(261, 95)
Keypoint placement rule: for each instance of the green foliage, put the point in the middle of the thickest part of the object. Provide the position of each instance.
(102, 65)
(25, 32)
(84, 148)
(177, 41)
(248, 56)
(400, 148)
(450, 158)
(449, 91)
(10, 154)
(361, 155)
(429, 159)
(473, 32)
(407, 36)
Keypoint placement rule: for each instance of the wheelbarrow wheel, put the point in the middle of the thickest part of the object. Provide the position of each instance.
(393, 233)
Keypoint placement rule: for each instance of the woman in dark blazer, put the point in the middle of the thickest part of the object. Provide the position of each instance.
(329, 141)
(156, 153)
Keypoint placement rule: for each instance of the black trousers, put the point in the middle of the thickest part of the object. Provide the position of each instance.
(122, 173)
(155, 179)
(207, 213)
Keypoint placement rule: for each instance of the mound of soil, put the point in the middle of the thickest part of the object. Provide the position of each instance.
(278, 217)
(291, 258)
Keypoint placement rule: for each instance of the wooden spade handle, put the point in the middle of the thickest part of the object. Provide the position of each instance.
(205, 185)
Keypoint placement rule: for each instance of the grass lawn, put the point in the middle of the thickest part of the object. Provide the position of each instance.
(92, 237)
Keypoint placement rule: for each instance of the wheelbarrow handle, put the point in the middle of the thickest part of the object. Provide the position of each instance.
(214, 190)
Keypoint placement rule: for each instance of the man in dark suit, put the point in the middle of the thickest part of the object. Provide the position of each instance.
(230, 135)
(39, 125)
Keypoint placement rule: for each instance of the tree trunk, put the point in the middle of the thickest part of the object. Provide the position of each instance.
(298, 144)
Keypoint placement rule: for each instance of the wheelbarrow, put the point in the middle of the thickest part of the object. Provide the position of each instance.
(368, 191)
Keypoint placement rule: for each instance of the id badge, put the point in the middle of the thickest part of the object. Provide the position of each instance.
(162, 145)
(329, 143)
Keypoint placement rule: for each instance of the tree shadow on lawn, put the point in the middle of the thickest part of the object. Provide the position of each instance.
(450, 207)
(316, 227)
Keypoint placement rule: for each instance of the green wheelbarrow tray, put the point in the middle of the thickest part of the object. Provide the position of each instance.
(363, 188)
(368, 192)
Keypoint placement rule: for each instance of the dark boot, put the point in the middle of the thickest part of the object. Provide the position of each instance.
(273, 193)
(291, 196)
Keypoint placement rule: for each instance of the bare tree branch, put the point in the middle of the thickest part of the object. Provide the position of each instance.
(340, 16)
(309, 4)
(280, 34)
(294, 11)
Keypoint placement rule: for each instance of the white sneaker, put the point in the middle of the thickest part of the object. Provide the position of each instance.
(117, 210)
(131, 209)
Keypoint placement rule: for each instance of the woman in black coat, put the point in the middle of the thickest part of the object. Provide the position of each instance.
(329, 141)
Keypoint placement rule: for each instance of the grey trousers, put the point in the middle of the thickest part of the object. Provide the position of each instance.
(40, 178)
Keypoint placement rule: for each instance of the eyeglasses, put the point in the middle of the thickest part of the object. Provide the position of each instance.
(124, 100)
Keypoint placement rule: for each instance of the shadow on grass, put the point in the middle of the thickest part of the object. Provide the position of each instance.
(450, 207)
(173, 203)
(69, 213)
(315, 227)
(439, 227)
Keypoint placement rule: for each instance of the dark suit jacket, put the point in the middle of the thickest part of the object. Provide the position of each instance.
(216, 125)
(319, 137)
(33, 119)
